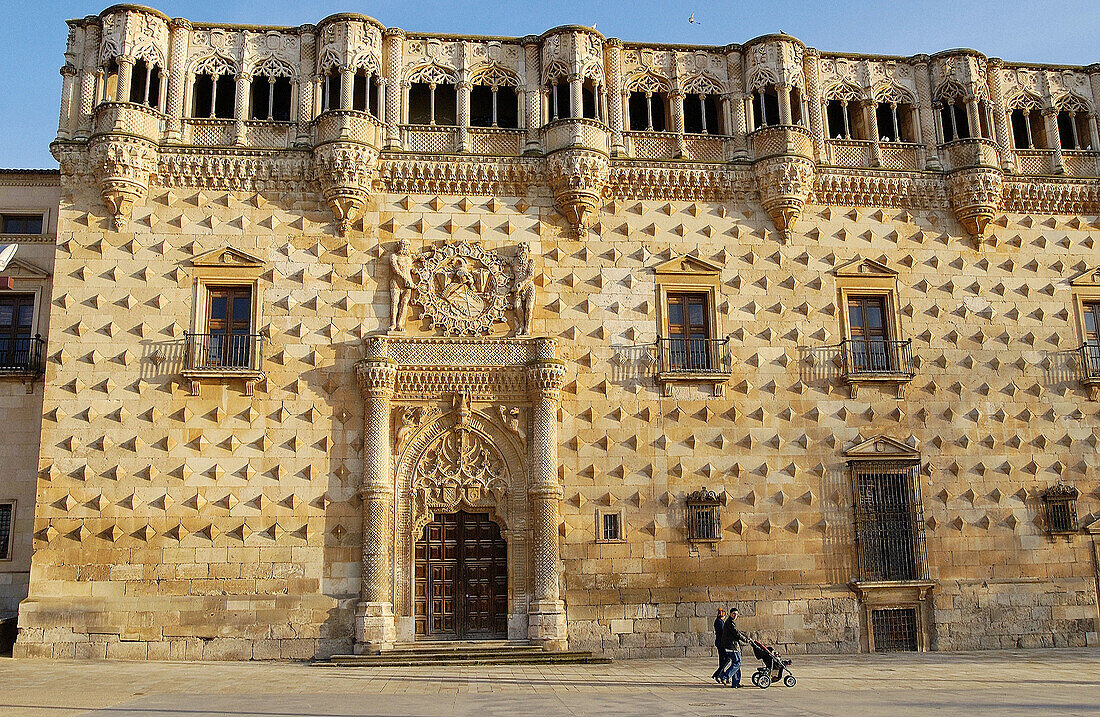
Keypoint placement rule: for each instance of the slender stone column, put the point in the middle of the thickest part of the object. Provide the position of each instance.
(347, 85)
(614, 93)
(65, 119)
(125, 74)
(244, 83)
(784, 92)
(394, 40)
(463, 107)
(927, 119)
(736, 102)
(870, 115)
(1054, 139)
(676, 100)
(88, 77)
(374, 621)
(1094, 85)
(973, 116)
(576, 100)
(532, 105)
(1000, 113)
(176, 77)
(546, 617)
(306, 71)
(811, 68)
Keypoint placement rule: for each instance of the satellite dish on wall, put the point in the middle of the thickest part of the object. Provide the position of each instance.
(6, 254)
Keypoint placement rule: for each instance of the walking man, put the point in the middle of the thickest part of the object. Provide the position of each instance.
(719, 642)
(731, 640)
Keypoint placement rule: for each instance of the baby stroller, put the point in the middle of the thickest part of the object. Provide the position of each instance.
(773, 669)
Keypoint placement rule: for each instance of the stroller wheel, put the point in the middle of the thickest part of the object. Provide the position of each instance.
(789, 681)
(764, 682)
(756, 679)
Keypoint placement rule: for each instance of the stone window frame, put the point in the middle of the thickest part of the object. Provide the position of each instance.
(690, 274)
(889, 594)
(858, 278)
(225, 267)
(9, 549)
(30, 279)
(600, 514)
(1065, 495)
(5, 213)
(1085, 289)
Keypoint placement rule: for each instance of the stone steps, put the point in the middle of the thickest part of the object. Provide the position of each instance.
(486, 652)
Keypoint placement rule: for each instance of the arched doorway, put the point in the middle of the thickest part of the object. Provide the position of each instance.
(460, 587)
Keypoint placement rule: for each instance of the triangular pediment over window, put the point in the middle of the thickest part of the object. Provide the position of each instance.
(864, 267)
(688, 265)
(1093, 528)
(1088, 277)
(227, 256)
(882, 448)
(25, 269)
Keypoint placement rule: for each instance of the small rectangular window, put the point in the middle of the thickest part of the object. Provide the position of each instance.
(703, 516)
(22, 223)
(1061, 505)
(611, 528)
(7, 511)
(895, 629)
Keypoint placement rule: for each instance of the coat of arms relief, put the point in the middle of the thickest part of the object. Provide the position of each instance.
(462, 288)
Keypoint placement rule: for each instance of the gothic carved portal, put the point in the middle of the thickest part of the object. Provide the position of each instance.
(460, 426)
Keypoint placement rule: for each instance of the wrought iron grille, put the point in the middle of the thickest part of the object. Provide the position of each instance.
(5, 530)
(23, 354)
(895, 629)
(612, 530)
(693, 355)
(876, 356)
(703, 516)
(889, 520)
(1061, 503)
(1090, 360)
(224, 352)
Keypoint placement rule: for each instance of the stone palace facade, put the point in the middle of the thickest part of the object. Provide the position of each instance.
(361, 336)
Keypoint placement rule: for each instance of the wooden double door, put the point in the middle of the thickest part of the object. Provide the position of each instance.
(461, 581)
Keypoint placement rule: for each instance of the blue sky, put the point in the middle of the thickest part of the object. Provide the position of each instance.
(32, 34)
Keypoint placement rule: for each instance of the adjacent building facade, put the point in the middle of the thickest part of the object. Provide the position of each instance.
(363, 336)
(28, 219)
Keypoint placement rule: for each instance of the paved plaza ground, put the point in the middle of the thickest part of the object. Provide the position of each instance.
(1036, 682)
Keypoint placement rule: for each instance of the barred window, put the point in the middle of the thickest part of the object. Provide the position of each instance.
(1061, 504)
(894, 629)
(703, 516)
(6, 511)
(611, 526)
(889, 520)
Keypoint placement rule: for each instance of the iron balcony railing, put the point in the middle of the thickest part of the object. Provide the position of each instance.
(1090, 361)
(224, 352)
(693, 356)
(877, 357)
(889, 521)
(23, 354)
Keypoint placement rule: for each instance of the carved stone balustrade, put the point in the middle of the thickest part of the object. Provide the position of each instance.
(784, 169)
(129, 119)
(345, 155)
(974, 182)
(577, 166)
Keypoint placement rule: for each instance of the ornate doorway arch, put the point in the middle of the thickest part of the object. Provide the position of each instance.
(461, 460)
(460, 423)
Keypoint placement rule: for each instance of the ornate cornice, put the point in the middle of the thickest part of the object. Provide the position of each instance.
(242, 169)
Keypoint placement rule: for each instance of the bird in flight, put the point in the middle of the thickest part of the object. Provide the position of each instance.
(691, 19)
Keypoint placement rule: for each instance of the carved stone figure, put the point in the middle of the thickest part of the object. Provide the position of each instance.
(462, 287)
(401, 285)
(523, 271)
